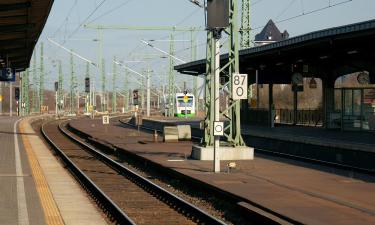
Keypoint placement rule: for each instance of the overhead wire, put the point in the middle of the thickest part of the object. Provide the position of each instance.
(285, 9)
(85, 20)
(307, 13)
(178, 23)
(110, 11)
(280, 21)
(66, 18)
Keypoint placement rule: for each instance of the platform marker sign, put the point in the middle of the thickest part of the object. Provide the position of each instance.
(218, 128)
(105, 119)
(8, 74)
(239, 84)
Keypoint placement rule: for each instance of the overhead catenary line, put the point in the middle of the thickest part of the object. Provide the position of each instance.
(72, 52)
(160, 50)
(307, 13)
(66, 18)
(85, 20)
(110, 11)
(281, 21)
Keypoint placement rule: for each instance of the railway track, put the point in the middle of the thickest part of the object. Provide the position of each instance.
(125, 196)
(282, 155)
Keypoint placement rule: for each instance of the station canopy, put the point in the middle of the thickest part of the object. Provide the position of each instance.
(21, 23)
(328, 53)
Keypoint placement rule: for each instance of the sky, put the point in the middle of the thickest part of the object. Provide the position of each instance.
(65, 26)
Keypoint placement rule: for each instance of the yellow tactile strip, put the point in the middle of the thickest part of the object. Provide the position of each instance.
(51, 211)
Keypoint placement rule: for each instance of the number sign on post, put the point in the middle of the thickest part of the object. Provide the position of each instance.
(105, 119)
(239, 86)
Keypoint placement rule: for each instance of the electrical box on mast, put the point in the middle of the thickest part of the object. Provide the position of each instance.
(87, 85)
(135, 97)
(217, 14)
(56, 86)
(17, 93)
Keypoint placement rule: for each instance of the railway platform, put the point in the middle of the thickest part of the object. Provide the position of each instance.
(354, 149)
(299, 191)
(35, 188)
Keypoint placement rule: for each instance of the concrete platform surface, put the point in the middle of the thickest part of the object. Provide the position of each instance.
(19, 201)
(306, 193)
(34, 187)
(361, 141)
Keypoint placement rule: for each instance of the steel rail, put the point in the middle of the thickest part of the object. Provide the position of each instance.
(113, 209)
(167, 197)
(263, 214)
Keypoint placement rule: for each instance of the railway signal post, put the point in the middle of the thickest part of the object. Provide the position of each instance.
(222, 17)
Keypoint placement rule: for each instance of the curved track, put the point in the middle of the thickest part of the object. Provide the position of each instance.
(125, 196)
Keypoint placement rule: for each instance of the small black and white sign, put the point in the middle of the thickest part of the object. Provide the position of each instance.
(218, 128)
(8, 74)
(239, 84)
(105, 119)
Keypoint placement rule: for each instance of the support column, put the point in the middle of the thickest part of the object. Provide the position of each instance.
(171, 80)
(114, 92)
(216, 105)
(10, 99)
(41, 78)
(328, 101)
(26, 92)
(148, 104)
(257, 86)
(1, 98)
(126, 92)
(295, 106)
(60, 89)
(270, 104)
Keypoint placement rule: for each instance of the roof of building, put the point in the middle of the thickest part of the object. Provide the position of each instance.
(21, 23)
(271, 33)
(349, 33)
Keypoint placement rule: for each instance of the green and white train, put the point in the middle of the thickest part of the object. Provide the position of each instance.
(185, 105)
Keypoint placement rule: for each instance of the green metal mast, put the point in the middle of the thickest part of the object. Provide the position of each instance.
(233, 111)
(60, 91)
(232, 131)
(208, 139)
(35, 86)
(101, 61)
(195, 78)
(72, 85)
(103, 100)
(126, 91)
(142, 90)
(245, 33)
(41, 79)
(245, 25)
(88, 95)
(114, 95)
(25, 93)
(171, 89)
(171, 79)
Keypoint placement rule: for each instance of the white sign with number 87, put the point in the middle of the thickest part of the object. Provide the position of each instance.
(239, 86)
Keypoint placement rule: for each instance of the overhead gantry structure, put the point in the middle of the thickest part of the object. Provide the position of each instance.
(171, 77)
